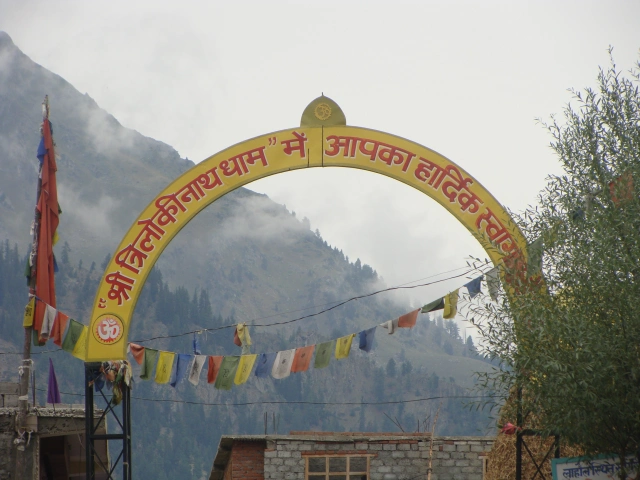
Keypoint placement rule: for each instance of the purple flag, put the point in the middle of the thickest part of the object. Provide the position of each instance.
(53, 394)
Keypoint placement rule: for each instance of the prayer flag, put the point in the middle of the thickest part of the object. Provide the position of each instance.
(323, 354)
(302, 359)
(390, 325)
(227, 373)
(196, 344)
(474, 287)
(138, 352)
(244, 368)
(282, 364)
(59, 327)
(450, 304)
(214, 368)
(53, 393)
(164, 366)
(196, 368)
(534, 259)
(28, 312)
(366, 339)
(47, 322)
(408, 320)
(493, 283)
(433, 306)
(73, 334)
(80, 348)
(242, 335)
(180, 370)
(265, 364)
(47, 208)
(343, 346)
(150, 360)
(621, 189)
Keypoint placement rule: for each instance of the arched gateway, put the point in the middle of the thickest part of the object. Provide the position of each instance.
(322, 140)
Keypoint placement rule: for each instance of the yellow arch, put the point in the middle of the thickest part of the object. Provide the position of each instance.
(328, 143)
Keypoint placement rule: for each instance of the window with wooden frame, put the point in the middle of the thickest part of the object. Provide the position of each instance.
(337, 467)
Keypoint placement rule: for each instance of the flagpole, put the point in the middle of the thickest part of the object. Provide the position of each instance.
(28, 330)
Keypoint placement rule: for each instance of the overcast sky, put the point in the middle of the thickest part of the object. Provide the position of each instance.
(467, 79)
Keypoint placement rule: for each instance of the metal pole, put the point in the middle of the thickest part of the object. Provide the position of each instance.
(126, 423)
(88, 422)
(519, 435)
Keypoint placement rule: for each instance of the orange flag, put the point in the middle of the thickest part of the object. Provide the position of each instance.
(47, 207)
(214, 368)
(59, 326)
(408, 320)
(138, 352)
(302, 358)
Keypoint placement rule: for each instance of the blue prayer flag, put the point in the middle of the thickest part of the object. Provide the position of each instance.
(366, 339)
(264, 364)
(196, 345)
(180, 370)
(474, 286)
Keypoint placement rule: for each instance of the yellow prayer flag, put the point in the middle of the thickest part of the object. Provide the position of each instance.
(80, 349)
(343, 346)
(164, 366)
(243, 333)
(244, 368)
(451, 304)
(29, 310)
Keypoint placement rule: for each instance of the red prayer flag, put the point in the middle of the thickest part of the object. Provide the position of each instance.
(138, 352)
(408, 320)
(48, 209)
(302, 358)
(621, 189)
(214, 368)
(59, 326)
(236, 338)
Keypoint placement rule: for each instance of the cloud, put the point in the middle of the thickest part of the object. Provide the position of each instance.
(96, 217)
(260, 219)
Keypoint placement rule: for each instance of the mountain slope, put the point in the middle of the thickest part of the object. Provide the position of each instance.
(245, 258)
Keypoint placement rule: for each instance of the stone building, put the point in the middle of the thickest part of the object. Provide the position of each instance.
(51, 446)
(350, 456)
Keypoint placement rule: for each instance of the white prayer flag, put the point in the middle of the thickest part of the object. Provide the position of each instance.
(196, 368)
(282, 364)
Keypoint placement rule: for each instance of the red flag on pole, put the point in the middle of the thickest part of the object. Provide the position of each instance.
(47, 210)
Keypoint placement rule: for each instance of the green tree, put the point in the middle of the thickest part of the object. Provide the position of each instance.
(572, 342)
(65, 253)
(391, 368)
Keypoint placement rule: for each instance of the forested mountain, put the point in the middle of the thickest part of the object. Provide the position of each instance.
(245, 258)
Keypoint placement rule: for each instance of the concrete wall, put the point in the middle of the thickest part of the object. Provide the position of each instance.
(454, 458)
(47, 423)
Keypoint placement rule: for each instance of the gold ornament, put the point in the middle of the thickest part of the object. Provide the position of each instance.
(322, 111)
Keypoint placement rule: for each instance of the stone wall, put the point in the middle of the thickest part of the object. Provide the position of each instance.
(395, 458)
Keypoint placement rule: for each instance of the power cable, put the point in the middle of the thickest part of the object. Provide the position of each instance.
(293, 402)
(404, 286)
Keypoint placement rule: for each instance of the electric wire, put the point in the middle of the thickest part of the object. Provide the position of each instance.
(404, 286)
(294, 402)
(341, 303)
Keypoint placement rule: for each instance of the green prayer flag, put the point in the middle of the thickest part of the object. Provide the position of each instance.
(227, 372)
(324, 352)
(433, 306)
(149, 361)
(73, 334)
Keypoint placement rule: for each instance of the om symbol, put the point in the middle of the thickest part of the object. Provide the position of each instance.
(108, 330)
